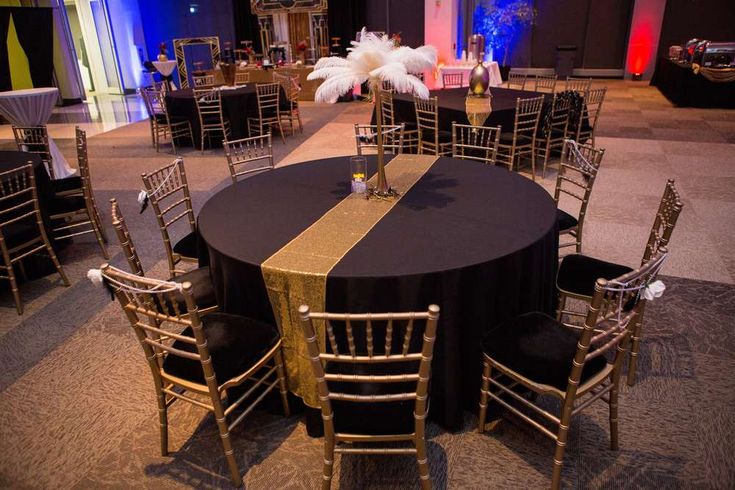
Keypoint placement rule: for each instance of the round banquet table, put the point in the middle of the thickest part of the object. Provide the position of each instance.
(32, 107)
(237, 105)
(477, 240)
(10, 160)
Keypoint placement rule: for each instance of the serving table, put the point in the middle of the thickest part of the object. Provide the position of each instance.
(477, 240)
(678, 83)
(32, 107)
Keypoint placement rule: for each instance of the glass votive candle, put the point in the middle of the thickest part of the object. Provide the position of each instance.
(358, 174)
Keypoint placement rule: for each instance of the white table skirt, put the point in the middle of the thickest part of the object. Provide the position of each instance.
(492, 66)
(32, 107)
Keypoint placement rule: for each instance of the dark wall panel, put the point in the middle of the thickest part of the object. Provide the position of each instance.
(705, 19)
(394, 16)
(607, 33)
(558, 23)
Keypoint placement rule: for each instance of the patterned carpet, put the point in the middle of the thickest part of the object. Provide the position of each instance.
(77, 406)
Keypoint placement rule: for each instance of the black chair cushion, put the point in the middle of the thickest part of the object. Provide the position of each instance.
(506, 139)
(67, 204)
(66, 185)
(539, 348)
(20, 232)
(201, 285)
(373, 418)
(235, 344)
(578, 273)
(565, 220)
(188, 246)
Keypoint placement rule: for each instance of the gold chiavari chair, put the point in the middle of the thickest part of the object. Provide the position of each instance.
(168, 193)
(410, 131)
(432, 141)
(34, 139)
(592, 105)
(242, 77)
(577, 273)
(249, 155)
(475, 142)
(576, 177)
(516, 81)
(542, 355)
(553, 128)
(289, 82)
(203, 81)
(199, 359)
(162, 125)
(211, 118)
(386, 86)
(522, 141)
(580, 85)
(545, 83)
(366, 138)
(200, 279)
(452, 80)
(21, 227)
(269, 110)
(373, 381)
(74, 215)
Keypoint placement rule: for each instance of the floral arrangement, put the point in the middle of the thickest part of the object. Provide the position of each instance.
(301, 46)
(396, 38)
(501, 22)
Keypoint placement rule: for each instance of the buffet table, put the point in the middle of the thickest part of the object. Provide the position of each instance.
(456, 237)
(678, 83)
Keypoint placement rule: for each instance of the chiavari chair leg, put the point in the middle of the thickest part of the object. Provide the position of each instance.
(202, 141)
(298, 117)
(486, 373)
(328, 468)
(282, 383)
(219, 415)
(422, 461)
(98, 233)
(22, 270)
(533, 161)
(14, 286)
(546, 159)
(634, 348)
(56, 262)
(162, 420)
(562, 305)
(153, 134)
(614, 411)
(561, 443)
(280, 130)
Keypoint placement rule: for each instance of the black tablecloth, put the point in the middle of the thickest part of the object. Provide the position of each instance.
(10, 160)
(681, 86)
(477, 240)
(452, 107)
(237, 105)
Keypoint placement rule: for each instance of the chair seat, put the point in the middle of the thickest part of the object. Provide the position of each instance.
(565, 220)
(378, 418)
(68, 184)
(538, 348)
(188, 246)
(578, 273)
(235, 344)
(68, 204)
(202, 286)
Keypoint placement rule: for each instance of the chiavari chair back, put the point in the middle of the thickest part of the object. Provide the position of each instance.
(74, 215)
(289, 82)
(517, 81)
(522, 142)
(242, 77)
(249, 155)
(667, 215)
(168, 193)
(475, 142)
(574, 181)
(554, 128)
(580, 85)
(386, 86)
(592, 105)
(545, 83)
(269, 110)
(578, 372)
(203, 81)
(432, 141)
(366, 138)
(21, 227)
(410, 133)
(211, 117)
(34, 139)
(387, 355)
(189, 361)
(126, 241)
(452, 80)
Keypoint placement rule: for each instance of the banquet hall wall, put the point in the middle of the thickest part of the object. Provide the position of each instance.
(704, 19)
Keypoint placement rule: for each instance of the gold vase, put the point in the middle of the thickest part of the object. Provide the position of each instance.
(479, 79)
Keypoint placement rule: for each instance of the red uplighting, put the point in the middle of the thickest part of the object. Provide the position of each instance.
(642, 33)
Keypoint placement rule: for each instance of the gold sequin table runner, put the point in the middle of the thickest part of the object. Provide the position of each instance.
(297, 273)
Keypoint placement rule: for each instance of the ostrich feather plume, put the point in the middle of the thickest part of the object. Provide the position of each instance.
(373, 59)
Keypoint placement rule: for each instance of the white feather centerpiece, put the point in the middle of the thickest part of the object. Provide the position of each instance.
(374, 59)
